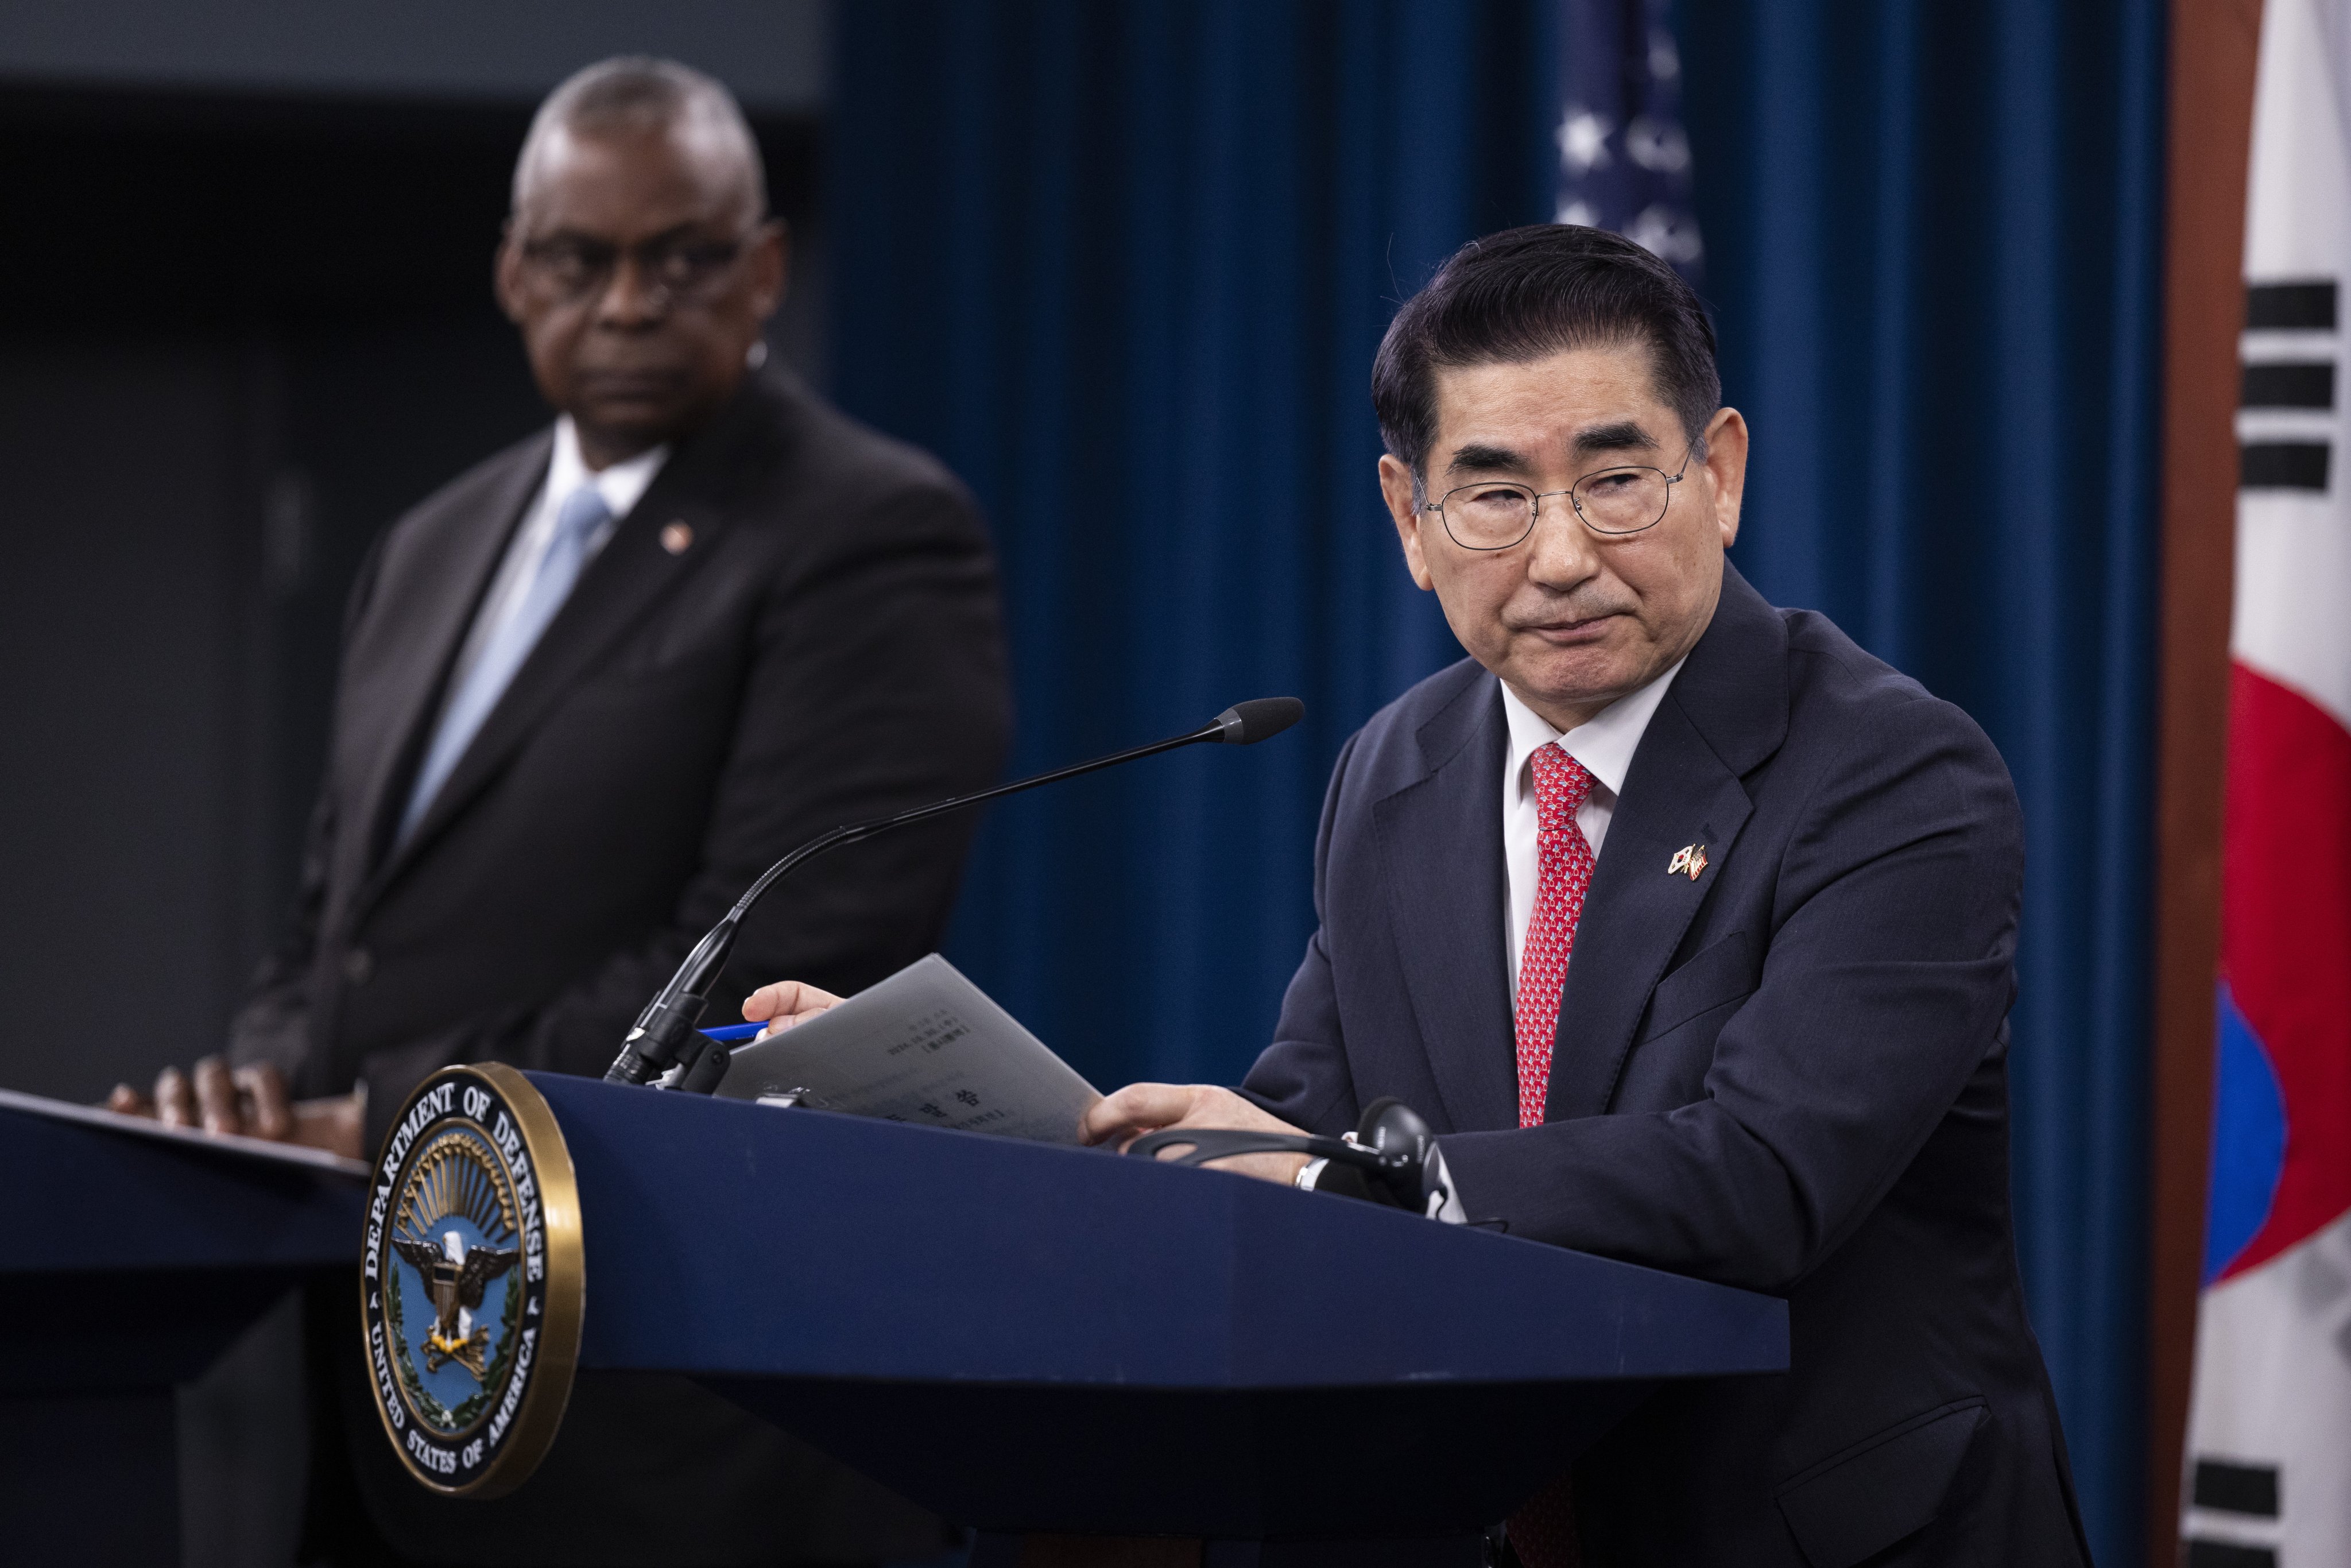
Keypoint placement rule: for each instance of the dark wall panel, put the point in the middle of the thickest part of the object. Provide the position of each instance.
(120, 730)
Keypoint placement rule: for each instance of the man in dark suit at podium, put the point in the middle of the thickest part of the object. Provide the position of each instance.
(1690, 927)
(593, 686)
(589, 690)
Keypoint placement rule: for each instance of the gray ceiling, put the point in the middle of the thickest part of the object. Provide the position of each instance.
(771, 52)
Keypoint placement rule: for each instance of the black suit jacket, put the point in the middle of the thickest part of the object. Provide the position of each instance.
(825, 649)
(1789, 1074)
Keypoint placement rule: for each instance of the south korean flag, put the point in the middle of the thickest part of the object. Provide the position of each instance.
(2269, 1451)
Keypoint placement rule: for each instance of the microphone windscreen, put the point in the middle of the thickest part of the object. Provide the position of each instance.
(1246, 724)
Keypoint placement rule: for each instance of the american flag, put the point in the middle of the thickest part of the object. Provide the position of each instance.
(1623, 158)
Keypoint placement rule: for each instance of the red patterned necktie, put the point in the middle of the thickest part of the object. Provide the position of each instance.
(1563, 871)
(1542, 1531)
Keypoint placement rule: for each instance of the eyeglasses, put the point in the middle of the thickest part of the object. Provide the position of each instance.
(572, 267)
(1610, 501)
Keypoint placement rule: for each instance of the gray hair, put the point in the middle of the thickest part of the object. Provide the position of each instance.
(640, 92)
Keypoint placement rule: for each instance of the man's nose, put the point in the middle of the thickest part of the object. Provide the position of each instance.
(1561, 551)
(631, 299)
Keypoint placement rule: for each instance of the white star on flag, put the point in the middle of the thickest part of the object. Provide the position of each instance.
(1657, 144)
(1583, 140)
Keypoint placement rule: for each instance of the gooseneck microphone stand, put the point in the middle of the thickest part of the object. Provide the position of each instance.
(665, 1038)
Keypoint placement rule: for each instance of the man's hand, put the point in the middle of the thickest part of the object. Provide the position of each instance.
(784, 1003)
(248, 1101)
(1141, 1108)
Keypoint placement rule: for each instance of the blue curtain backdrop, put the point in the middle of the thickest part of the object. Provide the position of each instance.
(1124, 266)
(1932, 246)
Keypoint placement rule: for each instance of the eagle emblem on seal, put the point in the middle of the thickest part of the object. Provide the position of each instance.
(470, 1280)
(457, 1275)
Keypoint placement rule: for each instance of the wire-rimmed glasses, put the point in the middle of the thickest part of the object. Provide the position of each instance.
(1495, 514)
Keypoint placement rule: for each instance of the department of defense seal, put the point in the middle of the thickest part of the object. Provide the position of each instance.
(470, 1280)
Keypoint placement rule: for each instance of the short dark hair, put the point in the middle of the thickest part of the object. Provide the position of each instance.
(640, 90)
(1527, 293)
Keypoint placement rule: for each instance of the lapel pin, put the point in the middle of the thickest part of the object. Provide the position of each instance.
(675, 538)
(1690, 860)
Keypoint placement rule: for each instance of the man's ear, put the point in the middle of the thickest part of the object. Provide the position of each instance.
(1726, 466)
(1397, 489)
(771, 266)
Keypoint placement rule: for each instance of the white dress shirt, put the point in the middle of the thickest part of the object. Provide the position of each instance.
(622, 486)
(1605, 745)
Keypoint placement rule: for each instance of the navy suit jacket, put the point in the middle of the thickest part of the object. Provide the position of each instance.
(1788, 1074)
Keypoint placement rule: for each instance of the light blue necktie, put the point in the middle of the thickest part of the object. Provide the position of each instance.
(583, 513)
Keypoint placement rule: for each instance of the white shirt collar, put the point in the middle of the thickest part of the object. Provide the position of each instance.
(1605, 743)
(622, 486)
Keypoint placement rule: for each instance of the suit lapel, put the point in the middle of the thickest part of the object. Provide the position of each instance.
(614, 594)
(628, 577)
(1441, 849)
(423, 632)
(1726, 712)
(1676, 793)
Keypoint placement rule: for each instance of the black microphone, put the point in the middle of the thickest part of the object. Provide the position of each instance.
(665, 1036)
(1389, 1159)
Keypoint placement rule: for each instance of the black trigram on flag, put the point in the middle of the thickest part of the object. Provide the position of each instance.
(2289, 377)
(2243, 1502)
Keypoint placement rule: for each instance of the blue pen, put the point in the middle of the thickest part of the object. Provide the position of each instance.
(729, 1033)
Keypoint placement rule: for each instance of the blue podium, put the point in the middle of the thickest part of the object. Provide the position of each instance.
(1027, 1339)
(1035, 1340)
(127, 1265)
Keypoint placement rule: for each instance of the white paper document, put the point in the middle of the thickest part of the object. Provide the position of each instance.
(925, 1047)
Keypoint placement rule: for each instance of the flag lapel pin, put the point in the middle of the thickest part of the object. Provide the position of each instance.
(1689, 861)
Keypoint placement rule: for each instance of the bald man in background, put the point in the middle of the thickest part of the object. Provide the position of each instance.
(589, 690)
